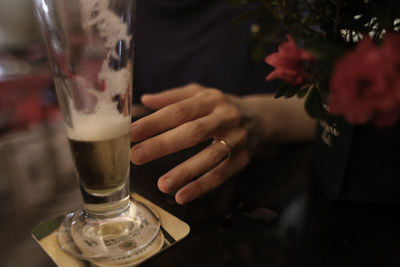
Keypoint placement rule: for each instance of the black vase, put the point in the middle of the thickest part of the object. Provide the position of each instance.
(357, 163)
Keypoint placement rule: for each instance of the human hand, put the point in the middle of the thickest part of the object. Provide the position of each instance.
(185, 117)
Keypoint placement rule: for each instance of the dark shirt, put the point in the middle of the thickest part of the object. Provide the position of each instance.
(184, 41)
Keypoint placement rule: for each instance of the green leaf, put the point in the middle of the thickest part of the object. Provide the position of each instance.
(324, 49)
(322, 80)
(288, 91)
(291, 91)
(303, 91)
(282, 91)
(313, 104)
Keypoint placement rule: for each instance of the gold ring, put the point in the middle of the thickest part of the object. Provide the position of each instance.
(222, 141)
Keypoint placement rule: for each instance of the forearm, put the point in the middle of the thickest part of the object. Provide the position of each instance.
(281, 120)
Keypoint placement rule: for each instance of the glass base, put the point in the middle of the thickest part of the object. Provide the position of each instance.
(127, 236)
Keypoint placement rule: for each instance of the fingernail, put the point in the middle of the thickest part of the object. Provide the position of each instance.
(137, 154)
(136, 131)
(132, 132)
(164, 184)
(146, 96)
(181, 199)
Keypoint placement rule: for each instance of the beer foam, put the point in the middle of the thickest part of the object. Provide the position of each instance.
(98, 127)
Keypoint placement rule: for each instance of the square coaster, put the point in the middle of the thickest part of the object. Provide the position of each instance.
(172, 231)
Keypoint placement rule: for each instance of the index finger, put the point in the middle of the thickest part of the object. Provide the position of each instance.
(175, 114)
(165, 98)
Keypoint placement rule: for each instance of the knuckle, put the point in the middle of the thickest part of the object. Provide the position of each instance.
(234, 115)
(237, 116)
(156, 148)
(197, 131)
(215, 155)
(194, 85)
(180, 113)
(218, 95)
(215, 95)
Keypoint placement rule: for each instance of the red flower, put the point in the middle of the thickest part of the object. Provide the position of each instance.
(365, 84)
(289, 63)
(391, 51)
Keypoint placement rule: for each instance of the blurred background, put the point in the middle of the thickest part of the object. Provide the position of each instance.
(27, 97)
(36, 171)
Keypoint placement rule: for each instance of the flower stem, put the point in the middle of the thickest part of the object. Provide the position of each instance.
(337, 18)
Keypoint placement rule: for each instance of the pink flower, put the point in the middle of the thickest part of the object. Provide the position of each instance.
(289, 63)
(365, 84)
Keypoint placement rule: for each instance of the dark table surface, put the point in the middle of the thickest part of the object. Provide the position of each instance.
(273, 213)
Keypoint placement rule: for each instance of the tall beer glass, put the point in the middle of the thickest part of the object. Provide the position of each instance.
(90, 46)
